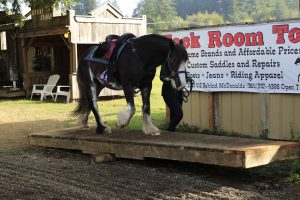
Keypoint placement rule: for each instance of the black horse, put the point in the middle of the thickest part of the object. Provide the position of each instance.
(134, 68)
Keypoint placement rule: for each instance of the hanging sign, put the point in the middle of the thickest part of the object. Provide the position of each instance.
(246, 58)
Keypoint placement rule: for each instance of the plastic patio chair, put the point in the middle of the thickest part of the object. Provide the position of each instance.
(45, 89)
(63, 92)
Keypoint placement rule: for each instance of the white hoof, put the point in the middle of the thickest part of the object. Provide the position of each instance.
(85, 127)
(151, 130)
(123, 118)
(107, 130)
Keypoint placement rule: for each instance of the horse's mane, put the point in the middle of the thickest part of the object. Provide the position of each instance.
(154, 37)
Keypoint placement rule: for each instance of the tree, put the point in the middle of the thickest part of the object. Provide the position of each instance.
(114, 3)
(161, 14)
(205, 19)
(83, 7)
(281, 10)
(15, 9)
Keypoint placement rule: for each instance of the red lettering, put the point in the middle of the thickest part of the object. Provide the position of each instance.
(176, 40)
(280, 30)
(239, 39)
(227, 40)
(214, 39)
(254, 39)
(168, 36)
(194, 40)
(294, 35)
(188, 42)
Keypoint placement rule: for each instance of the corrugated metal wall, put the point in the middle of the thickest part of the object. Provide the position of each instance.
(272, 116)
(196, 110)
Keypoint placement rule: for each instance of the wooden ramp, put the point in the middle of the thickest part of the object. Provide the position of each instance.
(208, 149)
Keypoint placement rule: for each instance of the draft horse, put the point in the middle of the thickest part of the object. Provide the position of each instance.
(134, 69)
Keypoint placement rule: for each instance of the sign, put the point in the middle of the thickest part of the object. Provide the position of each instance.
(41, 14)
(245, 58)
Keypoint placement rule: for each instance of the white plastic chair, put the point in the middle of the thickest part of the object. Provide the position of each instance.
(63, 92)
(45, 89)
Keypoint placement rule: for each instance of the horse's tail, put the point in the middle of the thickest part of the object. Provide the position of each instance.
(83, 103)
(83, 80)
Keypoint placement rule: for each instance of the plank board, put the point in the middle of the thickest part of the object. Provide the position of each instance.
(208, 149)
(9, 93)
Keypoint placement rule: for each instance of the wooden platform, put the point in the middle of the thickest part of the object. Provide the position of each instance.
(208, 149)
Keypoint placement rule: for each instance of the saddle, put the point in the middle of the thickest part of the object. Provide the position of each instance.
(110, 50)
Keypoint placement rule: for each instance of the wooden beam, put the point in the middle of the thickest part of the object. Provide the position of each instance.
(66, 43)
(108, 21)
(46, 32)
(29, 43)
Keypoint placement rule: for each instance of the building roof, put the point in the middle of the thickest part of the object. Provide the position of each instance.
(106, 7)
(5, 18)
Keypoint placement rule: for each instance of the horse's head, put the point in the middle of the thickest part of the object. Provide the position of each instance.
(175, 65)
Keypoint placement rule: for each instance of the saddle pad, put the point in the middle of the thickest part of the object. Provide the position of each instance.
(109, 52)
(91, 58)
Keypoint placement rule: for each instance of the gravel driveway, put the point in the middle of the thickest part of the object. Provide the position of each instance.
(44, 173)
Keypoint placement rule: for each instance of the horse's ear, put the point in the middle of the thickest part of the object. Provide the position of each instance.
(181, 42)
(172, 44)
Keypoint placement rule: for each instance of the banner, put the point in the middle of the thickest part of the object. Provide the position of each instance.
(244, 58)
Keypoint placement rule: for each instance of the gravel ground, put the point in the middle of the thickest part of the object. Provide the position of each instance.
(44, 173)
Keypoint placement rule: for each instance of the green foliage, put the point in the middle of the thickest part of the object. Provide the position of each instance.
(235, 11)
(205, 19)
(294, 175)
(13, 7)
(161, 14)
(83, 7)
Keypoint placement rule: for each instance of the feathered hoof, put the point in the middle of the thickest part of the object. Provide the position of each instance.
(106, 130)
(152, 130)
(123, 118)
(85, 127)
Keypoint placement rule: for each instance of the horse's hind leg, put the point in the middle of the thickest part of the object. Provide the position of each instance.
(148, 127)
(101, 127)
(85, 116)
(124, 115)
(84, 120)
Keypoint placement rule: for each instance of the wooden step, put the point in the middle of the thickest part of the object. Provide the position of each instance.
(208, 149)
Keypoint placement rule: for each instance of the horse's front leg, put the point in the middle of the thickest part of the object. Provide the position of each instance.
(125, 115)
(148, 127)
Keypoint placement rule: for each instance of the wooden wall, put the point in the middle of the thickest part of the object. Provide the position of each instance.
(88, 31)
(272, 116)
(94, 30)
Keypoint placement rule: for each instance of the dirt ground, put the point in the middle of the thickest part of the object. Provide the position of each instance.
(45, 173)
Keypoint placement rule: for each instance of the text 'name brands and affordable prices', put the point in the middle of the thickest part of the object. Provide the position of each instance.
(246, 58)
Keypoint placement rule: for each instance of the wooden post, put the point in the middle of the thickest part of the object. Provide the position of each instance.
(25, 74)
(25, 64)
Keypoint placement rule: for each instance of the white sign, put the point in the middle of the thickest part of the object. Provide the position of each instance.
(245, 58)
